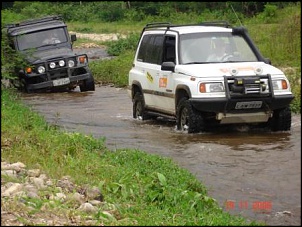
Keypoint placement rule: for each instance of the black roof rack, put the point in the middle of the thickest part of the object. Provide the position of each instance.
(168, 25)
(34, 21)
(158, 24)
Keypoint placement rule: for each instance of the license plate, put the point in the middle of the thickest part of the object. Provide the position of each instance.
(60, 82)
(248, 105)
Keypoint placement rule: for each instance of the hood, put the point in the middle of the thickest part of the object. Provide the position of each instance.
(227, 69)
(44, 55)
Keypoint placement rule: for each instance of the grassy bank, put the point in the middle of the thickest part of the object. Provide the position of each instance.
(145, 189)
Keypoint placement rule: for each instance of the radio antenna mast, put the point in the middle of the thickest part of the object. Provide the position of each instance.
(236, 15)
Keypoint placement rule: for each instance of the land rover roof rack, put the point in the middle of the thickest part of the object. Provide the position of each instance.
(34, 21)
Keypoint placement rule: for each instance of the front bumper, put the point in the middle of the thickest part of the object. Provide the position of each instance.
(50, 84)
(225, 110)
(225, 105)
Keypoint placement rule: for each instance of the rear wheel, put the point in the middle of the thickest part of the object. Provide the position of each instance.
(139, 107)
(189, 119)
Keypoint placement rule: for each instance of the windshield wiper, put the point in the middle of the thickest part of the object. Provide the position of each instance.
(49, 44)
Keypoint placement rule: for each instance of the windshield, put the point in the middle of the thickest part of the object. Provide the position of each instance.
(41, 38)
(214, 47)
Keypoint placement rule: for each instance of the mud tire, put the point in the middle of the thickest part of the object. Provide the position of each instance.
(281, 120)
(188, 119)
(139, 107)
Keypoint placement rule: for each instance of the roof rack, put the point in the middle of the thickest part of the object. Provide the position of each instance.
(158, 24)
(34, 21)
(168, 25)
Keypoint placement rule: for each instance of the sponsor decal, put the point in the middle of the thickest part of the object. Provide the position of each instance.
(249, 68)
(149, 77)
(163, 82)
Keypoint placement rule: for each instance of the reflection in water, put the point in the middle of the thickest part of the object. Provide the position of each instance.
(244, 166)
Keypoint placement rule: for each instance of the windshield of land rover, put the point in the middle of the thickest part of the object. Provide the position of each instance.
(214, 47)
(41, 38)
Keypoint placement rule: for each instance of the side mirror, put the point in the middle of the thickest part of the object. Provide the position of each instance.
(168, 66)
(73, 37)
(267, 61)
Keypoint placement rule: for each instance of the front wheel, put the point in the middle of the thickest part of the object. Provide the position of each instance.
(21, 84)
(188, 119)
(88, 85)
(281, 120)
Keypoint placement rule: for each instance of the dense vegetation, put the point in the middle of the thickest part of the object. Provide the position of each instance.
(108, 11)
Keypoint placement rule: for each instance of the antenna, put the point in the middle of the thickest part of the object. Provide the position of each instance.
(236, 15)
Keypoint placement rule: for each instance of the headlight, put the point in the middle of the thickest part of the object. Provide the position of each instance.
(41, 69)
(70, 63)
(210, 87)
(61, 63)
(280, 84)
(52, 65)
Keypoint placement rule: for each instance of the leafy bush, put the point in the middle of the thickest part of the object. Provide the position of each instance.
(113, 70)
(269, 13)
(116, 48)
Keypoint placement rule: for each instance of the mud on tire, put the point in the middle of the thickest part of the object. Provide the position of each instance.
(281, 120)
(88, 85)
(139, 107)
(189, 119)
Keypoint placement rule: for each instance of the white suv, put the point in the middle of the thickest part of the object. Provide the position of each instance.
(205, 75)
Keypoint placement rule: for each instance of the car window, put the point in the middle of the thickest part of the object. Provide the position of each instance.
(197, 47)
(169, 53)
(151, 49)
(39, 38)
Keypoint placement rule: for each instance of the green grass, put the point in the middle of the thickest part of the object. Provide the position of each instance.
(145, 189)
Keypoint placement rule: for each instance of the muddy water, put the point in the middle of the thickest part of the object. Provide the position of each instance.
(253, 173)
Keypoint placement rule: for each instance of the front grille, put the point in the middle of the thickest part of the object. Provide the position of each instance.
(248, 86)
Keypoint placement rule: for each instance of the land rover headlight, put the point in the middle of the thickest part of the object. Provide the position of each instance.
(71, 63)
(210, 87)
(52, 65)
(61, 63)
(280, 84)
(41, 69)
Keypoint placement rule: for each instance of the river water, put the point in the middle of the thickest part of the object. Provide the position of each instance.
(253, 173)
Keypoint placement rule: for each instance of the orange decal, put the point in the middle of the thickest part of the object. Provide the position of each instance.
(225, 70)
(163, 82)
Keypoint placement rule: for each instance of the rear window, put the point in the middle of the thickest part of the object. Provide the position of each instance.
(150, 50)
